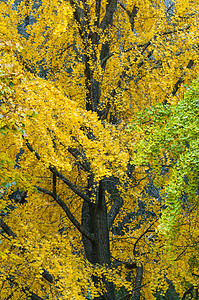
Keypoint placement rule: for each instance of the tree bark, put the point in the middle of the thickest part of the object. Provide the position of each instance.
(95, 221)
(138, 283)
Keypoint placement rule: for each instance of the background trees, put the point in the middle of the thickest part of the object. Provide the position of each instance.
(169, 144)
(171, 138)
(83, 69)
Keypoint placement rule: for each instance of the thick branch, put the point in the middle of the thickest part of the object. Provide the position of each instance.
(106, 21)
(82, 17)
(97, 12)
(138, 282)
(54, 185)
(131, 15)
(78, 15)
(114, 211)
(47, 276)
(68, 213)
(32, 150)
(7, 229)
(181, 79)
(85, 165)
(32, 296)
(108, 18)
(101, 199)
(70, 184)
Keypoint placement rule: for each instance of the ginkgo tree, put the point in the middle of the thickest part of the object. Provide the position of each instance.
(169, 139)
(171, 135)
(74, 73)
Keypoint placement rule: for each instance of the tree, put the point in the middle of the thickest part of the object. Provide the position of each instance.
(169, 143)
(83, 70)
(171, 135)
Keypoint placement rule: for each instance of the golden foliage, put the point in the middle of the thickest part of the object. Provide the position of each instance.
(50, 75)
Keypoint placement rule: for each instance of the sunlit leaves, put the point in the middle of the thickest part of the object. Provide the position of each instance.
(52, 66)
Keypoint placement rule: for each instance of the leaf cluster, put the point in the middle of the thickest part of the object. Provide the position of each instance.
(169, 138)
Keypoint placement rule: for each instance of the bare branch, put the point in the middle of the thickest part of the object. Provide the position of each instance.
(68, 213)
(134, 248)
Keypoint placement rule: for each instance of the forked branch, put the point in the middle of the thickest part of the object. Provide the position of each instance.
(71, 217)
(70, 184)
(60, 176)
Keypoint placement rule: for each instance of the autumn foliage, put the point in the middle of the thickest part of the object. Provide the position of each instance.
(73, 76)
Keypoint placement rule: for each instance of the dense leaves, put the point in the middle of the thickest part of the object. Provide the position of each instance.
(73, 75)
(169, 144)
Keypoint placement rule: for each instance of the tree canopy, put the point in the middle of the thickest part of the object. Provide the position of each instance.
(73, 75)
(169, 143)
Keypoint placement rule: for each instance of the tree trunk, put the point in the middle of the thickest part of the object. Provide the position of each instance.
(94, 219)
(138, 283)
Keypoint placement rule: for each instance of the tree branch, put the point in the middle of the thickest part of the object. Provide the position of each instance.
(25, 290)
(7, 229)
(97, 12)
(70, 184)
(75, 152)
(181, 79)
(131, 15)
(47, 276)
(128, 265)
(108, 18)
(85, 165)
(101, 199)
(114, 211)
(135, 289)
(189, 291)
(63, 205)
(59, 175)
(134, 248)
(54, 185)
(138, 282)
(31, 149)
